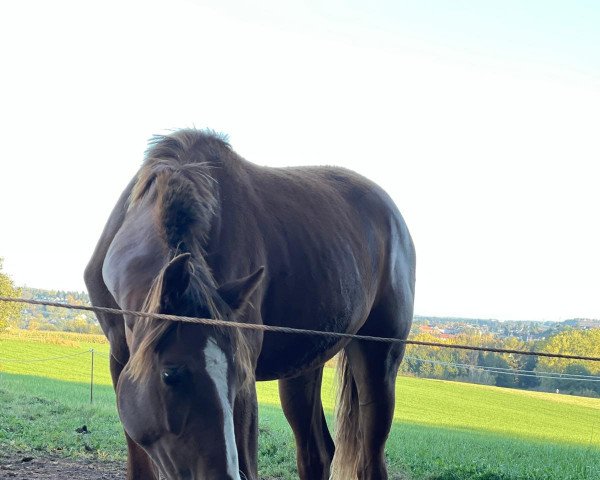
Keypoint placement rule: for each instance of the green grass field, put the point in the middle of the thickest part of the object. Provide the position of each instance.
(442, 430)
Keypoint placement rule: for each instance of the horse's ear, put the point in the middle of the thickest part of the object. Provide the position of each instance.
(176, 279)
(237, 292)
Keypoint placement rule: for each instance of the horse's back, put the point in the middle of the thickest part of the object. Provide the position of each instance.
(338, 212)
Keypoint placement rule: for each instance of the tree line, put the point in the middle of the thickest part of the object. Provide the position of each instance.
(511, 370)
(42, 317)
(8, 311)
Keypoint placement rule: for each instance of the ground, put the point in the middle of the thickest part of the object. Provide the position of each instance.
(26, 467)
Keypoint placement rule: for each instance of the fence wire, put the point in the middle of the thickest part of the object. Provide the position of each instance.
(508, 371)
(495, 370)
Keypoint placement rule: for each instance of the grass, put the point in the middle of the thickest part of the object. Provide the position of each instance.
(24, 352)
(442, 430)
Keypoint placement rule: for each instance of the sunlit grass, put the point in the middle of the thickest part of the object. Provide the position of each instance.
(443, 430)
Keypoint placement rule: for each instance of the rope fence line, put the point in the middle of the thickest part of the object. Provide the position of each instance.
(299, 331)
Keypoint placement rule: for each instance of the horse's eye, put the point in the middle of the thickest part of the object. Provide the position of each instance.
(172, 375)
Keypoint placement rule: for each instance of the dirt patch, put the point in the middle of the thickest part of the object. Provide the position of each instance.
(28, 467)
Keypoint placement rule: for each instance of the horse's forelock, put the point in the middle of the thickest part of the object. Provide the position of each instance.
(153, 331)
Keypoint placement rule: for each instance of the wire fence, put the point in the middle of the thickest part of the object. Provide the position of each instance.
(91, 352)
(46, 359)
(509, 371)
(493, 370)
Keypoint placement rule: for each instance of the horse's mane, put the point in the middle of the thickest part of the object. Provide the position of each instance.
(176, 173)
(179, 166)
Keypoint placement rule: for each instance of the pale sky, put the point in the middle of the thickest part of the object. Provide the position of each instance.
(480, 119)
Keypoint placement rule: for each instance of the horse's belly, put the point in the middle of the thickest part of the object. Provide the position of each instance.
(313, 297)
(285, 355)
(285, 358)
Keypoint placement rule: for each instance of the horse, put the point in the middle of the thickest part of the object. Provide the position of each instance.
(200, 231)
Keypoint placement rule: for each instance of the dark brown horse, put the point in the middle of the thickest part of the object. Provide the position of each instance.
(201, 232)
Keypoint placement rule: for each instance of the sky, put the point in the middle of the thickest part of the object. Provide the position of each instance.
(480, 119)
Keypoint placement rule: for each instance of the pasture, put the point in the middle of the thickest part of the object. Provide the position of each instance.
(442, 430)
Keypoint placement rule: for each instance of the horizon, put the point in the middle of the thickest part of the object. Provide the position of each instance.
(416, 317)
(478, 119)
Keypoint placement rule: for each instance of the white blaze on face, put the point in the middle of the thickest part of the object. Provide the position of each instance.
(217, 367)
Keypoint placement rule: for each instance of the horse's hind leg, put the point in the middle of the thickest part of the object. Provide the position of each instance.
(375, 385)
(374, 367)
(301, 402)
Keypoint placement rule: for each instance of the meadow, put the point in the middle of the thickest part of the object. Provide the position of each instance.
(442, 430)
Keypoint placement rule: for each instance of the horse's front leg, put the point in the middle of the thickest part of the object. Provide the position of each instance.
(245, 415)
(139, 465)
(302, 406)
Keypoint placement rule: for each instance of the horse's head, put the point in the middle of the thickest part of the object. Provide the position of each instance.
(176, 395)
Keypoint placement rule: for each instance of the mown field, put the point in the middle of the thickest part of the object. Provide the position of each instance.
(442, 430)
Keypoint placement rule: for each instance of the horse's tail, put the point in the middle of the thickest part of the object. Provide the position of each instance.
(347, 431)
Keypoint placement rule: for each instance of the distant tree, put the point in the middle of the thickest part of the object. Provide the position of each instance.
(47, 327)
(34, 324)
(504, 378)
(572, 384)
(9, 312)
(529, 381)
(574, 342)
(78, 324)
